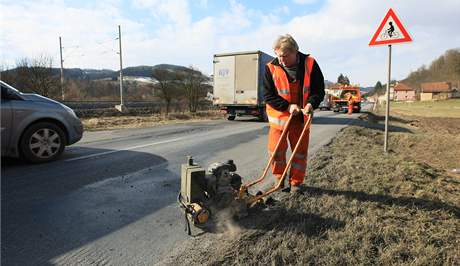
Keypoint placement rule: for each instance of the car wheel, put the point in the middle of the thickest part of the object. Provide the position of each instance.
(42, 142)
(231, 117)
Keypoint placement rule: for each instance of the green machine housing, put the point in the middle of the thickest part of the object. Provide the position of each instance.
(193, 180)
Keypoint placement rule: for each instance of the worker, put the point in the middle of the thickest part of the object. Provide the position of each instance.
(294, 84)
(349, 98)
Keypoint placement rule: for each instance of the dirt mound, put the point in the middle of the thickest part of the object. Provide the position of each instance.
(359, 207)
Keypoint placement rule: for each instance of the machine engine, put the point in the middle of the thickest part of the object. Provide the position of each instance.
(204, 192)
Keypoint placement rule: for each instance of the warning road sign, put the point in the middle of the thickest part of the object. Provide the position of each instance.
(390, 31)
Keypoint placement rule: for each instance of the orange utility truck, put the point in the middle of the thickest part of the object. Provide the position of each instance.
(339, 98)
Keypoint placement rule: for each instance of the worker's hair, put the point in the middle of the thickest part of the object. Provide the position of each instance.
(285, 42)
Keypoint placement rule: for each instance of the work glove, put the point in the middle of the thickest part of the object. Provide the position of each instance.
(308, 109)
(294, 109)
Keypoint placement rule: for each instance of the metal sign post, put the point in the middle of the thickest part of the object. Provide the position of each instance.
(390, 31)
(387, 112)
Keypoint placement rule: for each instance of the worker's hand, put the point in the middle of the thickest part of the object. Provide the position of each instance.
(308, 109)
(294, 109)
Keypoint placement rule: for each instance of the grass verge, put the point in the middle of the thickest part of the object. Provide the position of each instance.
(445, 108)
(140, 121)
(360, 207)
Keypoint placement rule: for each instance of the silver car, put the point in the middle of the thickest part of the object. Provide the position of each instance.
(34, 127)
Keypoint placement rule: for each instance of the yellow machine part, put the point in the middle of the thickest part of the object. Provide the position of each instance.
(200, 214)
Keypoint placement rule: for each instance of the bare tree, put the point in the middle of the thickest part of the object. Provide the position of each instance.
(195, 85)
(37, 75)
(6, 74)
(167, 86)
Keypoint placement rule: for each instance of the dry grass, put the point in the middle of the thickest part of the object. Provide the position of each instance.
(140, 121)
(360, 207)
(446, 108)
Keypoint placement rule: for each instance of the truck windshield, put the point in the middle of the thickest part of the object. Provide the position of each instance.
(353, 92)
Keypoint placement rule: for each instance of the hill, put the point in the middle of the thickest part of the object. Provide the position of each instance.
(444, 68)
(95, 74)
(146, 71)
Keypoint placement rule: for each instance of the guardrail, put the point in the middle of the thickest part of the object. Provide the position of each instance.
(85, 109)
(82, 105)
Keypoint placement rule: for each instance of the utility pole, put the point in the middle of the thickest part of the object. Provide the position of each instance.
(62, 69)
(120, 107)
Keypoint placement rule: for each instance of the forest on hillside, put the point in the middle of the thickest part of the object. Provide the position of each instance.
(444, 68)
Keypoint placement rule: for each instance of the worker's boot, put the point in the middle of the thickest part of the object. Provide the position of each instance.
(296, 189)
(285, 188)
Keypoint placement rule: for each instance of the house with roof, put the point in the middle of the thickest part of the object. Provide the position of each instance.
(435, 91)
(403, 92)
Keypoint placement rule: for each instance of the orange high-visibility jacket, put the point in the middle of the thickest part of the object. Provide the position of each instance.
(278, 119)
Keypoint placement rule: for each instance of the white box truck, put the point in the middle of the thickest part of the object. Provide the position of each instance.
(238, 83)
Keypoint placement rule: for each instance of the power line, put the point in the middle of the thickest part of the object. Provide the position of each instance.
(101, 47)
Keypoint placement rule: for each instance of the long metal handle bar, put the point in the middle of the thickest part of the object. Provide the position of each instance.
(306, 128)
(272, 156)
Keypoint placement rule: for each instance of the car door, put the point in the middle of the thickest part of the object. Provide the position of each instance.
(6, 120)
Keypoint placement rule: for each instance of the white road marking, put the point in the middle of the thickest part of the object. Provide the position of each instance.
(124, 149)
(225, 131)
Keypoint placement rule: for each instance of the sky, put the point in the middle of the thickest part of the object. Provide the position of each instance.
(185, 32)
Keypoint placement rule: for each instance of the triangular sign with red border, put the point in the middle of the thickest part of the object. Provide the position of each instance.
(390, 31)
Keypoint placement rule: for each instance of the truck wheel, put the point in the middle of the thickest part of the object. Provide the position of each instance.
(231, 117)
(42, 142)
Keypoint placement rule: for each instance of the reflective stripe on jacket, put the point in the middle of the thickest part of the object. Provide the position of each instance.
(276, 118)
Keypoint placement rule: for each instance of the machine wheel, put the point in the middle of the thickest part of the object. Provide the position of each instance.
(42, 142)
(231, 117)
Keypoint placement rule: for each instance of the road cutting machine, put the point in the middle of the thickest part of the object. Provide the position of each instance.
(204, 192)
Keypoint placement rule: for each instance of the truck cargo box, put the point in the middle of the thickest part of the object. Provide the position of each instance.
(238, 82)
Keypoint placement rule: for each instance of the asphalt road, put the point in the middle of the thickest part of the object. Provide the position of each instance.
(111, 198)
